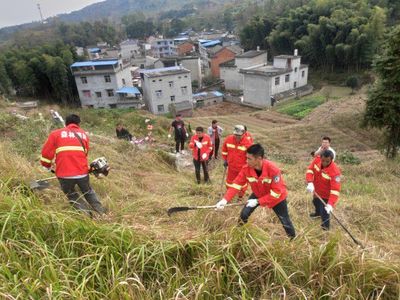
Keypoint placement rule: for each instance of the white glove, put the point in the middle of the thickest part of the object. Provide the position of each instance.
(199, 145)
(187, 134)
(46, 169)
(310, 187)
(221, 204)
(169, 136)
(329, 208)
(204, 156)
(252, 203)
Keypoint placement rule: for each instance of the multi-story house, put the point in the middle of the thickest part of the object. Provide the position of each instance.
(166, 87)
(163, 47)
(263, 81)
(105, 84)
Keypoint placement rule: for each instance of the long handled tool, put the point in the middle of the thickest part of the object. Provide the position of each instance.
(41, 183)
(186, 208)
(340, 223)
(223, 183)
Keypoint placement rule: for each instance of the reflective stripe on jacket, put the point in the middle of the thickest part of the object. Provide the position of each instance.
(269, 187)
(64, 146)
(326, 180)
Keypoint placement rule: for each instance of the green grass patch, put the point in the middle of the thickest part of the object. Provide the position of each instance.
(299, 108)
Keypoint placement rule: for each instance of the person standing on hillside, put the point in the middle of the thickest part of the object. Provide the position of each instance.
(215, 133)
(178, 126)
(234, 155)
(201, 147)
(69, 146)
(325, 145)
(267, 185)
(323, 178)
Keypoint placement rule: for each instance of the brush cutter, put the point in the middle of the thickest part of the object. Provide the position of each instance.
(340, 223)
(41, 183)
(186, 208)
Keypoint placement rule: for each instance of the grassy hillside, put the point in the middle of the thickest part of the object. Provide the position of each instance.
(138, 252)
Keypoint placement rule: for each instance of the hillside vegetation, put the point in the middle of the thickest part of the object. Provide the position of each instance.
(138, 252)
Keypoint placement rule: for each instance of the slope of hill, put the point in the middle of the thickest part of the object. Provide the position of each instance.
(138, 252)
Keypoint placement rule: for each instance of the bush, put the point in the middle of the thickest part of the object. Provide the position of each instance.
(348, 158)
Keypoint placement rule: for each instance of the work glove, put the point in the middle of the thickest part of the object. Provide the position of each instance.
(169, 136)
(252, 203)
(199, 145)
(225, 164)
(187, 134)
(221, 204)
(46, 169)
(310, 187)
(204, 156)
(328, 208)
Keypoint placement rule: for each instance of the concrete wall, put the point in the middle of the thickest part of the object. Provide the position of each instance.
(242, 63)
(128, 51)
(151, 85)
(220, 57)
(233, 79)
(257, 90)
(194, 66)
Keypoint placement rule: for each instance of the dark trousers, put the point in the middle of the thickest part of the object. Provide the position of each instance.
(281, 210)
(197, 165)
(179, 143)
(214, 151)
(76, 200)
(320, 211)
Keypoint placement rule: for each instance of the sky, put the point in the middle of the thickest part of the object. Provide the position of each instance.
(14, 12)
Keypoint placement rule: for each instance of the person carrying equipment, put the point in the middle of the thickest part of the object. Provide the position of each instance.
(323, 178)
(201, 147)
(69, 146)
(178, 126)
(267, 185)
(234, 155)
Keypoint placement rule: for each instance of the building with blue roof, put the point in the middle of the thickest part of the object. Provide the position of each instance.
(105, 83)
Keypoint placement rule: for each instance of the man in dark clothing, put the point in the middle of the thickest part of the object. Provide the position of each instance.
(178, 126)
(123, 133)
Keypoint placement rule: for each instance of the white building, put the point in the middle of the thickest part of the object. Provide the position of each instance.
(130, 49)
(105, 84)
(165, 86)
(263, 81)
(163, 47)
(229, 71)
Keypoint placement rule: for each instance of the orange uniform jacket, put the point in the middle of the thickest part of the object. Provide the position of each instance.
(326, 181)
(207, 147)
(248, 136)
(235, 152)
(269, 188)
(70, 157)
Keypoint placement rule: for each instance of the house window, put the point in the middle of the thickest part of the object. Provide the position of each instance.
(98, 94)
(184, 90)
(160, 108)
(84, 80)
(123, 81)
(107, 78)
(110, 93)
(113, 105)
(179, 77)
(302, 73)
(87, 94)
(154, 80)
(159, 93)
(171, 83)
(172, 98)
(159, 79)
(287, 78)
(277, 80)
(295, 84)
(295, 70)
(185, 76)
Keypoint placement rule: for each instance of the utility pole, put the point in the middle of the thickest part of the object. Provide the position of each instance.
(40, 12)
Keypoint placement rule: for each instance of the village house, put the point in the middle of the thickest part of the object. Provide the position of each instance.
(130, 49)
(163, 47)
(166, 88)
(207, 98)
(105, 83)
(263, 82)
(229, 71)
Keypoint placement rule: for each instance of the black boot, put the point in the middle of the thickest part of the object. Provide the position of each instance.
(315, 215)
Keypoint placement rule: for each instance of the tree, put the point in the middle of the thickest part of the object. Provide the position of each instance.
(5, 82)
(383, 104)
(352, 82)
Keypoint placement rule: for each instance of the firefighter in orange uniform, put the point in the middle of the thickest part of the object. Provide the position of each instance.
(323, 178)
(69, 146)
(267, 186)
(234, 155)
(201, 147)
(248, 135)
